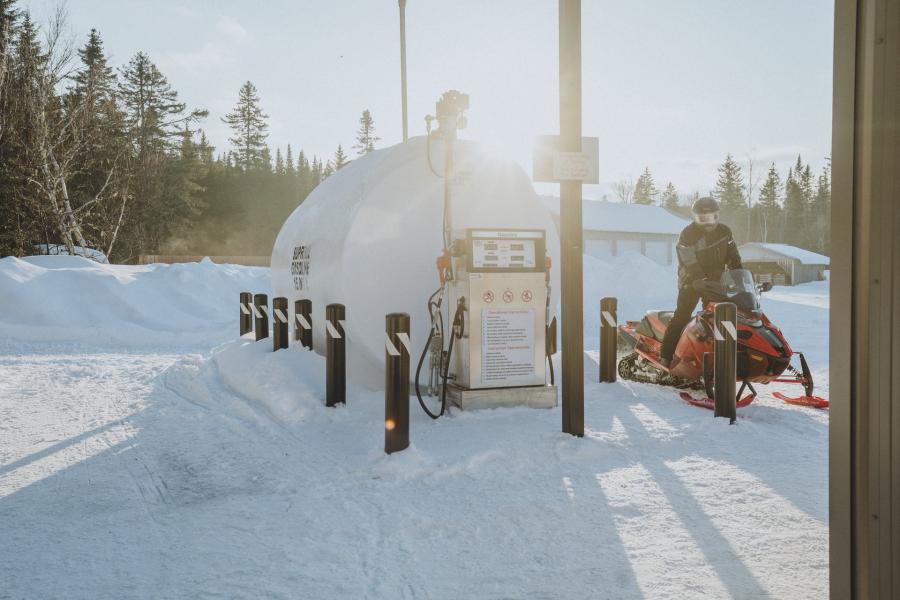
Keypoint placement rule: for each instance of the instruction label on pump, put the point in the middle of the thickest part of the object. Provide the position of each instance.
(507, 346)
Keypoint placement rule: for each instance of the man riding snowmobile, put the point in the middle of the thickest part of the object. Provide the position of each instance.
(705, 248)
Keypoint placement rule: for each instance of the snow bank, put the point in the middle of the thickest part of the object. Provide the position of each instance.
(639, 284)
(71, 298)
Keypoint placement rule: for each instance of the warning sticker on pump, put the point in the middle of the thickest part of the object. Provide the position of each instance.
(507, 345)
(488, 296)
(527, 296)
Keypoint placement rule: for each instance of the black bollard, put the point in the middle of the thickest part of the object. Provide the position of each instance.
(246, 314)
(280, 323)
(396, 382)
(303, 323)
(725, 361)
(609, 340)
(261, 311)
(335, 355)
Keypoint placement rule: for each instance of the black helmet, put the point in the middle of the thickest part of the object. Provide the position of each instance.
(705, 205)
(706, 213)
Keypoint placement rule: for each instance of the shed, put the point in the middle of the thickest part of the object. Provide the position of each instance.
(614, 228)
(783, 264)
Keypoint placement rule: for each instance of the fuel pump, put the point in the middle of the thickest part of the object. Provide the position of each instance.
(497, 285)
(450, 115)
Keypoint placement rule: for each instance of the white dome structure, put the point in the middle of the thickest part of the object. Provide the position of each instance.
(368, 236)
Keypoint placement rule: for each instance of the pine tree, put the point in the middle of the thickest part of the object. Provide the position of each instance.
(248, 122)
(98, 188)
(153, 114)
(365, 136)
(729, 191)
(8, 18)
(821, 211)
(340, 159)
(768, 206)
(794, 208)
(645, 191)
(289, 162)
(670, 197)
(205, 150)
(805, 181)
(279, 162)
(265, 160)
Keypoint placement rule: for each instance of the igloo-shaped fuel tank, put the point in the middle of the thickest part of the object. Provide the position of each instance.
(368, 236)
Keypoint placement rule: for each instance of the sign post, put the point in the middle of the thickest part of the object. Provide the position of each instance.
(571, 234)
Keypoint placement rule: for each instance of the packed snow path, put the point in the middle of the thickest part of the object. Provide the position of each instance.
(140, 473)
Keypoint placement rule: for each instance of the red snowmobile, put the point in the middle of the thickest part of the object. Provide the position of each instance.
(763, 355)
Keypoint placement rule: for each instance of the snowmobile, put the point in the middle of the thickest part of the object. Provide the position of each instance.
(763, 355)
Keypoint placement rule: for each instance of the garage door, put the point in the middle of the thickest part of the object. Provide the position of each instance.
(658, 251)
(598, 248)
(628, 246)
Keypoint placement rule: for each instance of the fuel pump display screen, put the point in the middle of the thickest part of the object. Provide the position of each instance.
(505, 250)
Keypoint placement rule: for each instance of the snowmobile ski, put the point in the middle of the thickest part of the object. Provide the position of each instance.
(811, 401)
(710, 404)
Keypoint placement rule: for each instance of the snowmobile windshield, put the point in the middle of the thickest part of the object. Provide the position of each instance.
(740, 289)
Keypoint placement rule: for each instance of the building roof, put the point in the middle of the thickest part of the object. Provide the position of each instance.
(805, 257)
(625, 218)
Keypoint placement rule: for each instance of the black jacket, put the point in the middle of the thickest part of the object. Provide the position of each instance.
(705, 254)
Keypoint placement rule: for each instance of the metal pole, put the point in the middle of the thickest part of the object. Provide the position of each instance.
(609, 338)
(246, 314)
(335, 356)
(725, 360)
(261, 312)
(280, 323)
(570, 220)
(403, 66)
(303, 323)
(396, 382)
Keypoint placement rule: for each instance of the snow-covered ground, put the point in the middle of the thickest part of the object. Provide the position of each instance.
(146, 452)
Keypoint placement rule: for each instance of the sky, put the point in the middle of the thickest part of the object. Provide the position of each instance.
(672, 86)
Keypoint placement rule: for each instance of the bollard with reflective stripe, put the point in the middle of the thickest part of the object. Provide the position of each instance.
(609, 339)
(335, 355)
(303, 323)
(396, 382)
(261, 312)
(280, 323)
(725, 360)
(246, 313)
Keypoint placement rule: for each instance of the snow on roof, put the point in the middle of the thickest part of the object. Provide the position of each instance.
(805, 257)
(626, 218)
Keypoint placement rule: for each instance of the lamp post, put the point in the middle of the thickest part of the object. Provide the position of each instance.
(403, 66)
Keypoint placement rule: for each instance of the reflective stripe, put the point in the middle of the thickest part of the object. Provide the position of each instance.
(332, 330)
(303, 322)
(404, 339)
(390, 348)
(729, 327)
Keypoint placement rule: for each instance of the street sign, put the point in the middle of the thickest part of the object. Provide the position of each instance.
(551, 165)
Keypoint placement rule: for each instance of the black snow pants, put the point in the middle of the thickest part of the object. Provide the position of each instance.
(687, 301)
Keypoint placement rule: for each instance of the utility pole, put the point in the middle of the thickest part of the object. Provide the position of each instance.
(403, 66)
(571, 233)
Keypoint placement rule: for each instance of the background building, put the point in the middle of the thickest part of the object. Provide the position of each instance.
(783, 264)
(613, 228)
